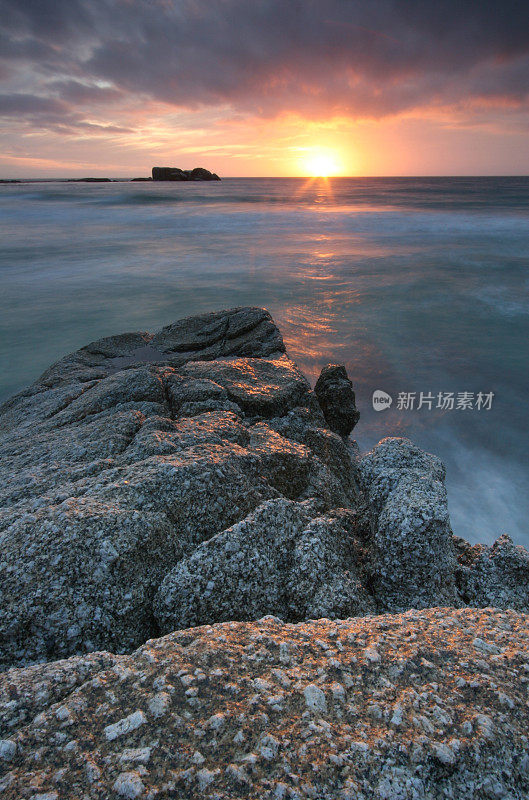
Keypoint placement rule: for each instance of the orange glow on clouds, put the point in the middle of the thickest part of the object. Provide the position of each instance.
(287, 145)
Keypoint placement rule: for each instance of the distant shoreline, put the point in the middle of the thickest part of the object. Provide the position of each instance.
(75, 180)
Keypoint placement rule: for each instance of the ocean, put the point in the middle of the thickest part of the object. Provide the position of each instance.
(418, 285)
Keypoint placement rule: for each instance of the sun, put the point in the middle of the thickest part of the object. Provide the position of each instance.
(319, 163)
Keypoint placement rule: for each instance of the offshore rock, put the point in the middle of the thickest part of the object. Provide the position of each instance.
(177, 174)
(335, 395)
(426, 705)
(89, 180)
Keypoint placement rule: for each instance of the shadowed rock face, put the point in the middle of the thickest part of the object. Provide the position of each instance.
(283, 559)
(335, 395)
(157, 481)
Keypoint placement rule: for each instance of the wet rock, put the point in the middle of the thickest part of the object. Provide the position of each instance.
(335, 395)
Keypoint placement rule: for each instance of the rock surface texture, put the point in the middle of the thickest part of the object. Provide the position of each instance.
(177, 174)
(152, 482)
(425, 705)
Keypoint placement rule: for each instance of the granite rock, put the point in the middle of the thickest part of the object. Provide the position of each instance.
(126, 455)
(412, 549)
(493, 576)
(155, 481)
(425, 705)
(283, 559)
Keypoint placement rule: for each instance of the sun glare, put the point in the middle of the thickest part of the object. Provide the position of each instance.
(321, 164)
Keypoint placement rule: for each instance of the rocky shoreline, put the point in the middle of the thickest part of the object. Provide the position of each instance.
(154, 483)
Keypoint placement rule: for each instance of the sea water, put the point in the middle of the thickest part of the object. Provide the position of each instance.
(416, 285)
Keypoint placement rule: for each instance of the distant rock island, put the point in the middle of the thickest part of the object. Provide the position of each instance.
(90, 180)
(177, 174)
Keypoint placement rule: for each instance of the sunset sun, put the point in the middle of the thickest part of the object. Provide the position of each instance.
(321, 164)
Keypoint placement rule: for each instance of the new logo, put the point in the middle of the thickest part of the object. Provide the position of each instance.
(381, 400)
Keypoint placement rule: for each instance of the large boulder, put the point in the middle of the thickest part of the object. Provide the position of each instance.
(154, 481)
(413, 552)
(420, 706)
(126, 455)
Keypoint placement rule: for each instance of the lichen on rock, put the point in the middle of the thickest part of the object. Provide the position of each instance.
(428, 704)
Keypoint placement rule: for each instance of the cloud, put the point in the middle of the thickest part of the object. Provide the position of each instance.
(264, 57)
(18, 104)
(80, 93)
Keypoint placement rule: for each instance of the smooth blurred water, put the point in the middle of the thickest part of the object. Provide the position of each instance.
(414, 284)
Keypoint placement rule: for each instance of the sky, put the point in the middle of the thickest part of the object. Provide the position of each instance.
(264, 87)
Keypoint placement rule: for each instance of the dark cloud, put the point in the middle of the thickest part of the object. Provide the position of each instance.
(52, 114)
(369, 58)
(23, 103)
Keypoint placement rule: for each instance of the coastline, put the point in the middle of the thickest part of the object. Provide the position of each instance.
(160, 482)
(190, 483)
(206, 436)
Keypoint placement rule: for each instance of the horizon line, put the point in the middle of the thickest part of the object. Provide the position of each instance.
(269, 177)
